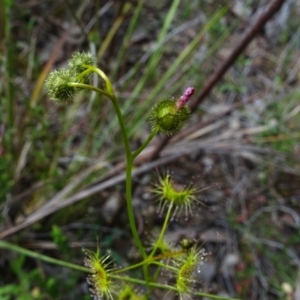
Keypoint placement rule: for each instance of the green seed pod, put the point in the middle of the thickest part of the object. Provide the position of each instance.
(58, 88)
(168, 118)
(79, 62)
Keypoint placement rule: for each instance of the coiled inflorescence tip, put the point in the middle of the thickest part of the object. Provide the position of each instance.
(59, 82)
(57, 85)
(78, 64)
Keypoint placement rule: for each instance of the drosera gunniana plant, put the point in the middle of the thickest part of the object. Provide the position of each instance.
(168, 117)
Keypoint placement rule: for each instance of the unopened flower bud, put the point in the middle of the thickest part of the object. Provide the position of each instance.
(169, 115)
(189, 92)
(79, 62)
(58, 88)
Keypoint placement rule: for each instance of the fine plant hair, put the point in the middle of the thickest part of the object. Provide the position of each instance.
(182, 264)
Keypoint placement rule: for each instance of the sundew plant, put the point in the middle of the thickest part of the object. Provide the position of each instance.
(182, 263)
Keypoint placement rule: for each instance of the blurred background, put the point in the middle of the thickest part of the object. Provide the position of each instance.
(62, 168)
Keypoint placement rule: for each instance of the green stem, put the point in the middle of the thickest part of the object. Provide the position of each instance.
(140, 264)
(129, 156)
(130, 210)
(161, 265)
(166, 287)
(142, 282)
(90, 88)
(163, 230)
(156, 260)
(109, 86)
(145, 144)
(6, 245)
(129, 165)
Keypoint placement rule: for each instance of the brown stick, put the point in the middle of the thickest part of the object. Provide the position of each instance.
(218, 74)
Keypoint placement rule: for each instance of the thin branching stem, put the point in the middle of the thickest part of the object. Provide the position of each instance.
(163, 230)
(129, 156)
(145, 144)
(38, 256)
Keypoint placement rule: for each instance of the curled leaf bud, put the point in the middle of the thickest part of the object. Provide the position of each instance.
(79, 62)
(169, 115)
(57, 85)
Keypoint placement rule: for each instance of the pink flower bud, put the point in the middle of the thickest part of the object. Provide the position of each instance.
(185, 97)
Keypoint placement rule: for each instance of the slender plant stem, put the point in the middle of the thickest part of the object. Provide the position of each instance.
(130, 207)
(90, 88)
(142, 282)
(9, 246)
(6, 245)
(163, 230)
(109, 86)
(146, 142)
(161, 265)
(129, 156)
(166, 287)
(140, 264)
(129, 165)
(130, 210)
